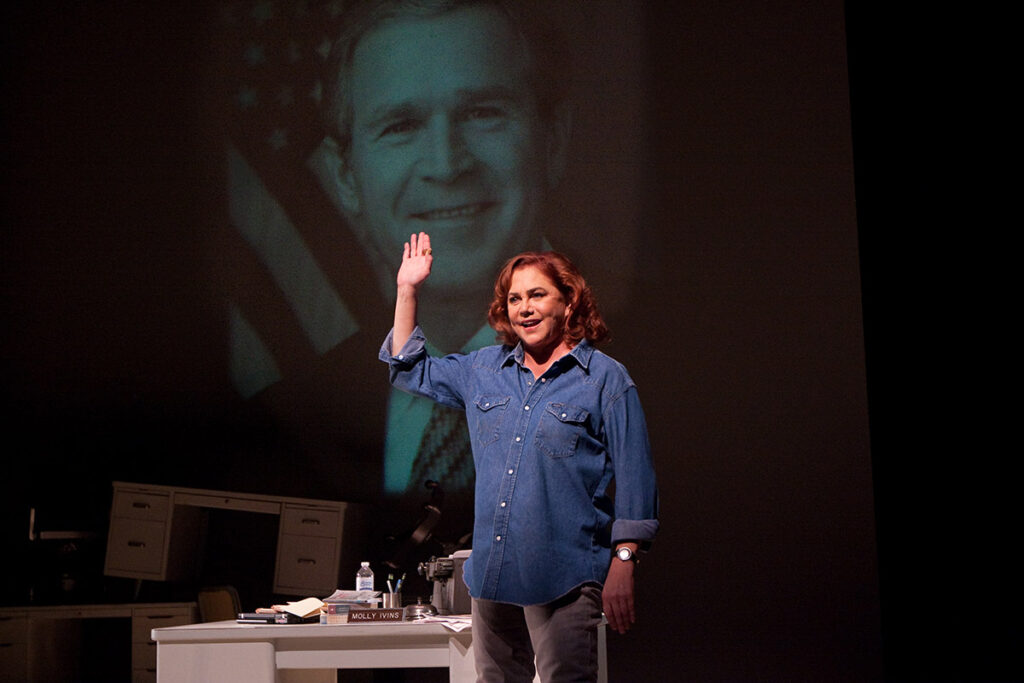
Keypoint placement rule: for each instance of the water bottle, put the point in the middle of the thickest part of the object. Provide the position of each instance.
(364, 577)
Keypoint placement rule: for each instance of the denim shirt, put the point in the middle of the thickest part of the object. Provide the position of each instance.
(546, 451)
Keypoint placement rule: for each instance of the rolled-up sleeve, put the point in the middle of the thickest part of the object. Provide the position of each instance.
(415, 371)
(636, 491)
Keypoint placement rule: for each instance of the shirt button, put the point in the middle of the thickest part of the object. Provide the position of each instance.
(526, 407)
(563, 416)
(510, 471)
(518, 439)
(400, 356)
(543, 379)
(503, 503)
(497, 538)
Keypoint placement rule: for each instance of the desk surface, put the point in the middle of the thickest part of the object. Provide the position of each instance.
(219, 631)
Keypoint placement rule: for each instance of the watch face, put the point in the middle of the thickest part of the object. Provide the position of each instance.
(625, 554)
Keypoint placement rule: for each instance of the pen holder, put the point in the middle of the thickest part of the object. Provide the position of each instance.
(392, 600)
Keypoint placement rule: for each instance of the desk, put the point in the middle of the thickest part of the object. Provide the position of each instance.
(50, 643)
(158, 533)
(311, 653)
(255, 653)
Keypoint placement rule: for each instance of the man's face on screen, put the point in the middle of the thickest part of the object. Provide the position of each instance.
(446, 138)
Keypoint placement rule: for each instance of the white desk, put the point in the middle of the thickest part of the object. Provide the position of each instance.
(256, 653)
(311, 653)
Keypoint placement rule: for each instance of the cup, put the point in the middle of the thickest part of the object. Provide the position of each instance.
(392, 600)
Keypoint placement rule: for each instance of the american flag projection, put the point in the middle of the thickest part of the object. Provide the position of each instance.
(287, 301)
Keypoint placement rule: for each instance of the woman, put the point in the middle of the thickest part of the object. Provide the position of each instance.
(553, 421)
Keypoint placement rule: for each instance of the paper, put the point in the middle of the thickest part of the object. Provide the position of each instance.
(452, 622)
(303, 609)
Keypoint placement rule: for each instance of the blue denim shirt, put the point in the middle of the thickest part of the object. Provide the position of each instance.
(546, 451)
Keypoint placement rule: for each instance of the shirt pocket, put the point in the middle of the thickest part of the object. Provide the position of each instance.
(561, 426)
(490, 410)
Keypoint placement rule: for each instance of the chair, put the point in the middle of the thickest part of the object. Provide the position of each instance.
(218, 603)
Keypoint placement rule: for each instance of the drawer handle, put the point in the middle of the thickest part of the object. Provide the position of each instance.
(307, 560)
(311, 520)
(136, 544)
(141, 504)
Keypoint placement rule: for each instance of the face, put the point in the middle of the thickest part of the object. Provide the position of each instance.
(536, 309)
(446, 139)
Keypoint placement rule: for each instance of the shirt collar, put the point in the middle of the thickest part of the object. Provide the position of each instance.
(582, 353)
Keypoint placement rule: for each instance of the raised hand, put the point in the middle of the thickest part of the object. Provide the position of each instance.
(416, 261)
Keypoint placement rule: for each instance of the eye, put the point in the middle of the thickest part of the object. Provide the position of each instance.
(398, 128)
(483, 112)
(485, 117)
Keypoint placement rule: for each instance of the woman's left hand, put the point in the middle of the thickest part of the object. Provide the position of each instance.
(617, 595)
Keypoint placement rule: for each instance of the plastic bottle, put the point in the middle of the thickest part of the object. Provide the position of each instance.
(364, 577)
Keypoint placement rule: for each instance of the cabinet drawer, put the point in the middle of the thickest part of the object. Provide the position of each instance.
(13, 661)
(136, 546)
(143, 624)
(139, 505)
(13, 649)
(144, 655)
(144, 675)
(306, 565)
(310, 521)
(13, 630)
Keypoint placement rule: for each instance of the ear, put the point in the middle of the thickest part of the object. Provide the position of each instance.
(557, 143)
(337, 177)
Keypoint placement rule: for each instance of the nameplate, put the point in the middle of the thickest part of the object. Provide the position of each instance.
(381, 614)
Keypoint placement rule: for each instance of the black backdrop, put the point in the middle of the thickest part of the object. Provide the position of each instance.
(743, 329)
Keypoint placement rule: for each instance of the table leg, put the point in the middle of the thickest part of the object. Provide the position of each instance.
(461, 668)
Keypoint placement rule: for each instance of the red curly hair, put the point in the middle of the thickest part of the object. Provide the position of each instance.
(584, 320)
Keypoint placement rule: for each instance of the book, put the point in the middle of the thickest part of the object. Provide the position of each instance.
(274, 618)
(355, 598)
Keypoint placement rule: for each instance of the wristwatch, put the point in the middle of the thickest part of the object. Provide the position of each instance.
(627, 555)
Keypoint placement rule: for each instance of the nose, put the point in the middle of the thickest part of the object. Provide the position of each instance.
(445, 155)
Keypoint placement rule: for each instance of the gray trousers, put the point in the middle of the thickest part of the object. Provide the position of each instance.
(561, 635)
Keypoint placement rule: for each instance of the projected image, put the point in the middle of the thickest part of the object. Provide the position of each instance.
(352, 128)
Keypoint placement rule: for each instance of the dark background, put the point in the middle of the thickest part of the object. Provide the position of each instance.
(802, 272)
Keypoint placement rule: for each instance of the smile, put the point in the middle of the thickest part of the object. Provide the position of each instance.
(463, 211)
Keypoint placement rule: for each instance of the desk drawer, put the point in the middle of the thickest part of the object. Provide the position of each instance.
(306, 565)
(310, 521)
(136, 545)
(139, 505)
